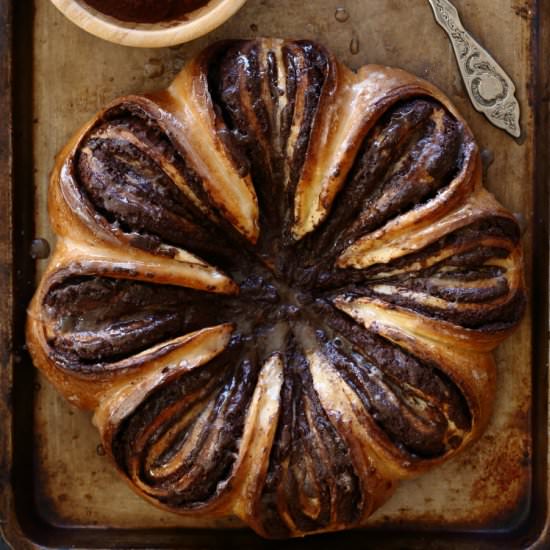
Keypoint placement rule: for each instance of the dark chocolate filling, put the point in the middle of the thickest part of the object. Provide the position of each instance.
(412, 153)
(470, 264)
(246, 96)
(228, 384)
(405, 395)
(98, 319)
(120, 171)
(310, 467)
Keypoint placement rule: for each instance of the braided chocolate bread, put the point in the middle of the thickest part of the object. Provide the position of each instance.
(278, 284)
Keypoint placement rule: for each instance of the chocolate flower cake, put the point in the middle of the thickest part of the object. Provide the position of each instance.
(278, 283)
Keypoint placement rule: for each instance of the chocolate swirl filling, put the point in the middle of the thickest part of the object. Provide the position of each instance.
(99, 320)
(182, 441)
(139, 181)
(415, 149)
(416, 405)
(268, 102)
(311, 479)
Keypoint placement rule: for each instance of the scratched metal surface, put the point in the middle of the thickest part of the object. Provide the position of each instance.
(75, 74)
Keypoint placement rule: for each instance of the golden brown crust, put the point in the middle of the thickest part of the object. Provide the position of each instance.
(278, 284)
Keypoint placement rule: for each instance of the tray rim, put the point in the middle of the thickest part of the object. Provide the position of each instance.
(23, 528)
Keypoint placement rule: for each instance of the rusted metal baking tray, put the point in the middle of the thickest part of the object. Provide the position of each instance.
(56, 488)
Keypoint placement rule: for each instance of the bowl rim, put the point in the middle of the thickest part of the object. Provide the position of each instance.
(148, 35)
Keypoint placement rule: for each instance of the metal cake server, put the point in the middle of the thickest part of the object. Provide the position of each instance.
(490, 89)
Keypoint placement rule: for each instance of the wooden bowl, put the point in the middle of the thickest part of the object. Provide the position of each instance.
(149, 35)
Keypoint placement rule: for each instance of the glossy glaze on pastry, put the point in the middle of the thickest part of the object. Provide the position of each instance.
(278, 283)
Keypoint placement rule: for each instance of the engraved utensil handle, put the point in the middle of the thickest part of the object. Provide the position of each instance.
(489, 87)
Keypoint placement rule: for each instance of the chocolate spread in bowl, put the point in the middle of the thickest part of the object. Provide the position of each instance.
(146, 11)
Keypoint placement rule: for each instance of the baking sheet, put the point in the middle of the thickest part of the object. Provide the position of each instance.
(75, 74)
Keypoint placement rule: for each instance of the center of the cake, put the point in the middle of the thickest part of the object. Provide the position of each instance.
(266, 297)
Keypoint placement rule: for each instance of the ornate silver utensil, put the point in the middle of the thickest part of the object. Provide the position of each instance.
(489, 87)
